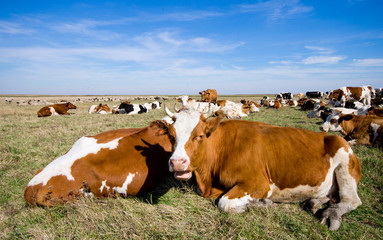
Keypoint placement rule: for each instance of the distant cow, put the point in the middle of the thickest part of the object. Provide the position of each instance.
(100, 109)
(130, 109)
(245, 163)
(366, 130)
(284, 96)
(314, 94)
(152, 105)
(126, 162)
(209, 95)
(341, 95)
(55, 109)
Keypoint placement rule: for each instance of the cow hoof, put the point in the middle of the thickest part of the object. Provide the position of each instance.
(332, 217)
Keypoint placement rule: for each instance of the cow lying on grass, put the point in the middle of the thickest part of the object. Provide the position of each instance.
(55, 109)
(357, 129)
(249, 163)
(125, 162)
(100, 109)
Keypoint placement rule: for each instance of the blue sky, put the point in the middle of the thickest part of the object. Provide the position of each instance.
(182, 47)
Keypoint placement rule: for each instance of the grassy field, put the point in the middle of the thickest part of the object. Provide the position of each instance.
(173, 210)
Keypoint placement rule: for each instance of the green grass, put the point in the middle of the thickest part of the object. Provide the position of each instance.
(173, 210)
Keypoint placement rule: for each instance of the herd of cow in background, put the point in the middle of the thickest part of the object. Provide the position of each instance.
(189, 142)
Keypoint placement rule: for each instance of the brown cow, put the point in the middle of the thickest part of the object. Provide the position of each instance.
(209, 95)
(248, 163)
(100, 109)
(278, 104)
(375, 112)
(55, 109)
(124, 161)
(358, 129)
(340, 96)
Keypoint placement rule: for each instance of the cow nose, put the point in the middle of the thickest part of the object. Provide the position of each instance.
(178, 164)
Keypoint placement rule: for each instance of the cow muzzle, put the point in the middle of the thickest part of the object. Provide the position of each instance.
(179, 167)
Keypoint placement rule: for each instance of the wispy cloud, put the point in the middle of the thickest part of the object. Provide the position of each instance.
(323, 59)
(369, 62)
(277, 10)
(321, 50)
(14, 28)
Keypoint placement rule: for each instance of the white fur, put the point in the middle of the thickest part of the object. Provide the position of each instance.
(184, 126)
(122, 190)
(236, 205)
(53, 111)
(375, 128)
(63, 164)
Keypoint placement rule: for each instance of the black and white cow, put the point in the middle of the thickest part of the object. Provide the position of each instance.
(131, 109)
(314, 94)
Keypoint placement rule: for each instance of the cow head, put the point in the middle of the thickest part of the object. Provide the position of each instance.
(69, 105)
(190, 131)
(335, 122)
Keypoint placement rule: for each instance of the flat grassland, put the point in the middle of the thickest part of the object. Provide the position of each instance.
(173, 210)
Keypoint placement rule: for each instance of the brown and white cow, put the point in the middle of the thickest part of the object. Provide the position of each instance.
(125, 162)
(341, 95)
(56, 109)
(252, 163)
(364, 130)
(209, 95)
(100, 109)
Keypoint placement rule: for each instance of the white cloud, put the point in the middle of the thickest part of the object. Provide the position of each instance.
(323, 59)
(13, 28)
(321, 50)
(369, 62)
(276, 10)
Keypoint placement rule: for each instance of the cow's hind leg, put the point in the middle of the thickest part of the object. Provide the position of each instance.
(347, 173)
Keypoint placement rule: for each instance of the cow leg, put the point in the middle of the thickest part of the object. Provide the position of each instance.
(345, 173)
(314, 204)
(238, 200)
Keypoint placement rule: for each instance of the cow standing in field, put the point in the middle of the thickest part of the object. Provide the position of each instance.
(248, 163)
(125, 162)
(56, 109)
(209, 95)
(364, 130)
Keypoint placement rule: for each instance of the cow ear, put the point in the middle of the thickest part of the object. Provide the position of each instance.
(212, 125)
(159, 127)
(346, 117)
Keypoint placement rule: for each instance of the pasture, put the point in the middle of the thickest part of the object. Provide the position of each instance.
(173, 210)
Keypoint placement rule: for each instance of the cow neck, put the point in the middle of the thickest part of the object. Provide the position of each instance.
(211, 161)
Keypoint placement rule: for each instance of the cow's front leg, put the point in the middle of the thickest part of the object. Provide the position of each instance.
(240, 198)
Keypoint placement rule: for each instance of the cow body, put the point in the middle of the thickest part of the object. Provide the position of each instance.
(253, 163)
(209, 95)
(130, 109)
(125, 162)
(55, 109)
(314, 94)
(100, 109)
(364, 130)
(341, 95)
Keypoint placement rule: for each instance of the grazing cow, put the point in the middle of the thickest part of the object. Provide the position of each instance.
(125, 162)
(130, 109)
(55, 109)
(365, 130)
(100, 109)
(343, 94)
(209, 95)
(248, 163)
(314, 94)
